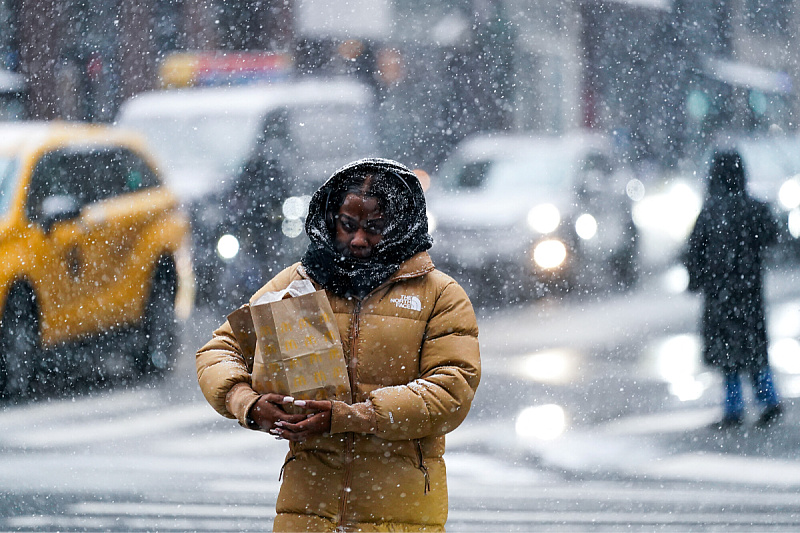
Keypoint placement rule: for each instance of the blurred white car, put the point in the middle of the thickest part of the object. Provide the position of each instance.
(245, 160)
(512, 214)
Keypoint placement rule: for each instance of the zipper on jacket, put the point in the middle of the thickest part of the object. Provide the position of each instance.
(350, 440)
(422, 466)
(286, 462)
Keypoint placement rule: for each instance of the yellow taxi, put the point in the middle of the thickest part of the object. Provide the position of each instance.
(92, 245)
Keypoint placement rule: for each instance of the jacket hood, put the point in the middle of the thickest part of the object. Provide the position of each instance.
(406, 233)
(726, 174)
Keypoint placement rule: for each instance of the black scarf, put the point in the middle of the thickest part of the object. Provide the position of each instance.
(405, 235)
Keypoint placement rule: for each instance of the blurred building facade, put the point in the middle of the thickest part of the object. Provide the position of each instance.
(663, 76)
(81, 58)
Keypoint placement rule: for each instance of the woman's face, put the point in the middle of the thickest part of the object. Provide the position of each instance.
(359, 226)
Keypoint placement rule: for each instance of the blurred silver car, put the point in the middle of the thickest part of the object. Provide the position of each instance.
(513, 215)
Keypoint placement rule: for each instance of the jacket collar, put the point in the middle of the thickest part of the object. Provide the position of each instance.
(413, 267)
(417, 265)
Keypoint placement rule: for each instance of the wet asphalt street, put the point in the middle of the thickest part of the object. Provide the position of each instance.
(591, 416)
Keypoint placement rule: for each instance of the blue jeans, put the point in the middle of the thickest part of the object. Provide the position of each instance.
(763, 386)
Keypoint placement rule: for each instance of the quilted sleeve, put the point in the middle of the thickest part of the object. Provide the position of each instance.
(439, 400)
(221, 366)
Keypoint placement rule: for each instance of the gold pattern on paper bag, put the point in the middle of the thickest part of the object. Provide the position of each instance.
(302, 356)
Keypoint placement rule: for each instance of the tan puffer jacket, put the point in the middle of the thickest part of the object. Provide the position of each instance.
(414, 363)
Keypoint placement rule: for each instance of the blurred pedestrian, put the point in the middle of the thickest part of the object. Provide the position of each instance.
(725, 263)
(411, 342)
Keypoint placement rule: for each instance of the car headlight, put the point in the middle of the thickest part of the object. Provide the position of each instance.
(549, 254)
(789, 194)
(296, 207)
(228, 246)
(794, 223)
(635, 190)
(586, 226)
(544, 218)
(292, 227)
(671, 213)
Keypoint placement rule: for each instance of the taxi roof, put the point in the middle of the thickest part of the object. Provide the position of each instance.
(26, 136)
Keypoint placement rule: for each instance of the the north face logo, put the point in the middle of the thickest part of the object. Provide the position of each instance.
(407, 302)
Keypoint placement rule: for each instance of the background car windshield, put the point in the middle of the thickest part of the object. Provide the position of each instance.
(7, 183)
(326, 138)
(504, 176)
(215, 144)
(323, 138)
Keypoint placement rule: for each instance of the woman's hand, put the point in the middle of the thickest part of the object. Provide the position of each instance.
(267, 411)
(316, 422)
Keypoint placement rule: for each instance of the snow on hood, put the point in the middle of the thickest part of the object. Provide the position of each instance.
(410, 206)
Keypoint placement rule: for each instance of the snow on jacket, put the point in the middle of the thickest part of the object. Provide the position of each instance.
(414, 364)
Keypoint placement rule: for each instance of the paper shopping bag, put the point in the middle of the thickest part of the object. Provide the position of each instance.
(298, 349)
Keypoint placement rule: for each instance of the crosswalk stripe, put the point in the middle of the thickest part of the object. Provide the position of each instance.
(171, 510)
(727, 469)
(97, 515)
(461, 487)
(533, 517)
(105, 404)
(104, 524)
(116, 428)
(660, 423)
(602, 494)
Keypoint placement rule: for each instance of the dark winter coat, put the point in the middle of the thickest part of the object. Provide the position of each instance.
(411, 345)
(725, 262)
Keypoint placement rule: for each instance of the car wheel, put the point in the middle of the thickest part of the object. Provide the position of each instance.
(19, 343)
(160, 324)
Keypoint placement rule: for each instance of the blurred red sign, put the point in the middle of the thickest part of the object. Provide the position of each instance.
(217, 68)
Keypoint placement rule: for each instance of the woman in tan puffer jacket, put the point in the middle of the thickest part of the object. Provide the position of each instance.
(411, 342)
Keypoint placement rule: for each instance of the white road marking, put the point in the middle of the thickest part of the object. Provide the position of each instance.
(726, 469)
(659, 423)
(101, 429)
(171, 509)
(90, 515)
(79, 407)
(534, 517)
